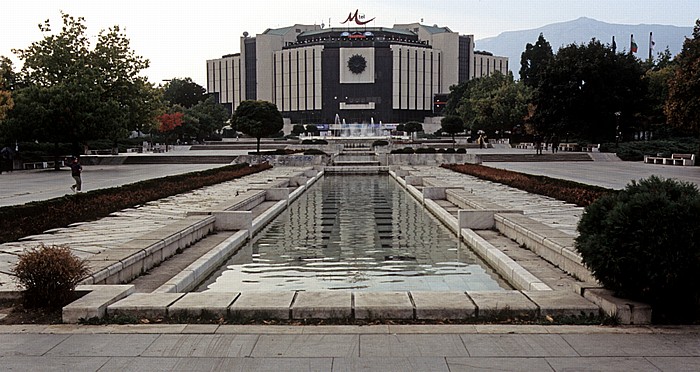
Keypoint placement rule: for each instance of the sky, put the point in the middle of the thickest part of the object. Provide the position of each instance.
(178, 36)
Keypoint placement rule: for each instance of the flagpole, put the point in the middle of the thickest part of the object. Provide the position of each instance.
(631, 42)
(651, 45)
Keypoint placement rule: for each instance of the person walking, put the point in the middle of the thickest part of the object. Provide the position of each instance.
(555, 143)
(76, 170)
(538, 143)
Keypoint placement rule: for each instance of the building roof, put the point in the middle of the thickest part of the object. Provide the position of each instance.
(278, 31)
(436, 30)
(361, 29)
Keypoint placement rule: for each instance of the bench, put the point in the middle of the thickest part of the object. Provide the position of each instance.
(42, 164)
(592, 147)
(100, 152)
(525, 145)
(675, 159)
(569, 147)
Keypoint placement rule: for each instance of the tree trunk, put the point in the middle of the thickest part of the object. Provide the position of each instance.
(258, 147)
(56, 157)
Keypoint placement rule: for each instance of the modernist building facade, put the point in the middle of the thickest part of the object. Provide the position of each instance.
(360, 74)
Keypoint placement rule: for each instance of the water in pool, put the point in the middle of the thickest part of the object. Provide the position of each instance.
(359, 233)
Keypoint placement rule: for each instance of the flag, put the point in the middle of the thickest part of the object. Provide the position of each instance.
(633, 45)
(614, 46)
(651, 45)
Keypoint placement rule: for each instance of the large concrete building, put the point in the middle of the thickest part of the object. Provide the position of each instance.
(357, 74)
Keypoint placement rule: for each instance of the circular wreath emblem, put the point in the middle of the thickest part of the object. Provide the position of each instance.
(357, 64)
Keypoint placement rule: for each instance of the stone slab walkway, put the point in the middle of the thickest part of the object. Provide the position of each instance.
(348, 348)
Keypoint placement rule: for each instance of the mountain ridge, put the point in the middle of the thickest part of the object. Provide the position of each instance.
(581, 30)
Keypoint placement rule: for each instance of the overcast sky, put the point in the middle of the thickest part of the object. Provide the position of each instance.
(178, 36)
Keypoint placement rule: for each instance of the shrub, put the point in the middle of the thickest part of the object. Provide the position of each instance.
(425, 150)
(461, 150)
(644, 244)
(49, 275)
(314, 152)
(378, 143)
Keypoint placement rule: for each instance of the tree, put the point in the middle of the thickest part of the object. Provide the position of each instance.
(683, 104)
(584, 87)
(452, 125)
(494, 103)
(210, 116)
(312, 128)
(413, 127)
(70, 93)
(298, 129)
(258, 119)
(534, 60)
(184, 92)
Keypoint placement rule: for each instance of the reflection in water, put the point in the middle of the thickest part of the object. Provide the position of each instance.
(355, 233)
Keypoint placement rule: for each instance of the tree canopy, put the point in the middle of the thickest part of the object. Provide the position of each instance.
(184, 92)
(588, 90)
(68, 92)
(534, 61)
(683, 105)
(452, 125)
(258, 119)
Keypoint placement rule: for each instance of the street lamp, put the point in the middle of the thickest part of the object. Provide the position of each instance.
(617, 127)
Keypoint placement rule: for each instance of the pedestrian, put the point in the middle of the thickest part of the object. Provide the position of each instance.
(76, 169)
(6, 159)
(555, 143)
(481, 141)
(538, 143)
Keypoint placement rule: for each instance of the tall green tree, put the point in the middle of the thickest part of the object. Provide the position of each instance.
(495, 103)
(211, 117)
(412, 127)
(71, 93)
(258, 119)
(452, 125)
(534, 60)
(184, 92)
(588, 91)
(683, 104)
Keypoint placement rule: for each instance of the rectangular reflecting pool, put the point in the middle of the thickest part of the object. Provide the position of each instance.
(359, 233)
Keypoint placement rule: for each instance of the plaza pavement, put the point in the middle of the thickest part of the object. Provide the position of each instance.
(342, 348)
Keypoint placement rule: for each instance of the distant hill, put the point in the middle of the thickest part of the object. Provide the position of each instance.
(512, 43)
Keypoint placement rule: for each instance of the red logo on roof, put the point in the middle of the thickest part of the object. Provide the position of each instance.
(356, 17)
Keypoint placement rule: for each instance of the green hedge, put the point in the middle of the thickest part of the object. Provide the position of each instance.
(644, 244)
(37, 217)
(635, 151)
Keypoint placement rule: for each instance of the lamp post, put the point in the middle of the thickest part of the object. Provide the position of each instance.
(617, 128)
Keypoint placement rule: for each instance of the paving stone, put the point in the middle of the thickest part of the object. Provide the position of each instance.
(561, 303)
(607, 364)
(503, 304)
(97, 345)
(219, 345)
(29, 344)
(322, 305)
(389, 364)
(518, 345)
(262, 305)
(144, 305)
(29, 363)
(408, 345)
(214, 304)
(283, 346)
(443, 305)
(622, 345)
(383, 305)
(497, 364)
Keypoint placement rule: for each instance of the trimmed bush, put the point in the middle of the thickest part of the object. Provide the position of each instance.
(378, 143)
(426, 150)
(314, 152)
(644, 244)
(49, 275)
